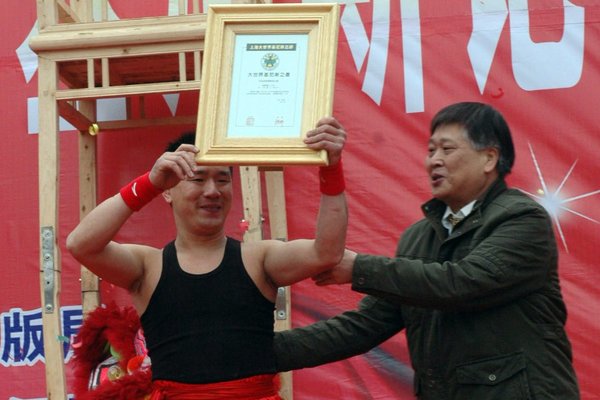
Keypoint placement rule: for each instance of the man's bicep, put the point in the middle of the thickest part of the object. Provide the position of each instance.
(289, 262)
(119, 264)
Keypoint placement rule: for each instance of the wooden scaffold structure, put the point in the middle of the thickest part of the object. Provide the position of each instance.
(95, 60)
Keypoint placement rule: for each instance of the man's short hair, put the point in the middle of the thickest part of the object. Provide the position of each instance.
(185, 138)
(484, 127)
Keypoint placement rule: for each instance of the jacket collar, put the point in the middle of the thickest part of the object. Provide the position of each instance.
(434, 208)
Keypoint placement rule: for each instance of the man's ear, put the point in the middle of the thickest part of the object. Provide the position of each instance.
(491, 162)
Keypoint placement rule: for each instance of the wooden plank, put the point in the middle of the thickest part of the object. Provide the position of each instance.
(197, 66)
(276, 203)
(83, 9)
(187, 120)
(129, 90)
(90, 283)
(65, 13)
(251, 197)
(90, 73)
(121, 33)
(105, 73)
(182, 69)
(127, 22)
(104, 10)
(124, 52)
(47, 14)
(278, 222)
(48, 173)
(73, 116)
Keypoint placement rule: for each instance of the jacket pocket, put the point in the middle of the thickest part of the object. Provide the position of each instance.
(502, 377)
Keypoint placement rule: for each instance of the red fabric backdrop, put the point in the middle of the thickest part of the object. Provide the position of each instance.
(398, 63)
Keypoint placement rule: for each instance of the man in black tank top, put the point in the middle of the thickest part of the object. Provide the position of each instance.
(206, 301)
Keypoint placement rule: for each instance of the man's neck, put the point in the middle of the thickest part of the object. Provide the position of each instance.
(200, 256)
(188, 242)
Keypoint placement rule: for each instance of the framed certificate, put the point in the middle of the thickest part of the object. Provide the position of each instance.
(268, 76)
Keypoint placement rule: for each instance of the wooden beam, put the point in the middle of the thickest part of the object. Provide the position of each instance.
(50, 271)
(251, 195)
(104, 10)
(278, 222)
(65, 13)
(139, 49)
(145, 122)
(90, 73)
(83, 9)
(182, 68)
(197, 66)
(82, 123)
(74, 116)
(47, 14)
(151, 30)
(90, 283)
(105, 73)
(276, 203)
(126, 90)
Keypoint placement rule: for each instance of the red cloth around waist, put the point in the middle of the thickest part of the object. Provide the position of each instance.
(260, 387)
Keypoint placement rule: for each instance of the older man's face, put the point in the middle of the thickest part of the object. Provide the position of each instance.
(458, 174)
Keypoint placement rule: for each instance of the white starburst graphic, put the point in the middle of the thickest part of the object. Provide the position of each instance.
(552, 201)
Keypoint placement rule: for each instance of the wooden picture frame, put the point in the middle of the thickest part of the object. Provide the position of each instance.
(268, 76)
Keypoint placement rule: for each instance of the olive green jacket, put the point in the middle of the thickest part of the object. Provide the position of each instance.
(482, 308)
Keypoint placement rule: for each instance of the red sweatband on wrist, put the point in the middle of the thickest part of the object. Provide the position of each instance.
(139, 192)
(331, 179)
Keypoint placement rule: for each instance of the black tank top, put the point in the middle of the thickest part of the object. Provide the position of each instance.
(209, 327)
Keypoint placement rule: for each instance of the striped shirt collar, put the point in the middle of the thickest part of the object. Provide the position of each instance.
(462, 213)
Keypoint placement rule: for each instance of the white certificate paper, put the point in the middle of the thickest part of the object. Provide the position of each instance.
(267, 86)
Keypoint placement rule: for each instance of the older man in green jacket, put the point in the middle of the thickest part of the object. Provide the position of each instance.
(474, 283)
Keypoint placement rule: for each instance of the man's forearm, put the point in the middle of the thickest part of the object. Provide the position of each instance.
(340, 337)
(332, 223)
